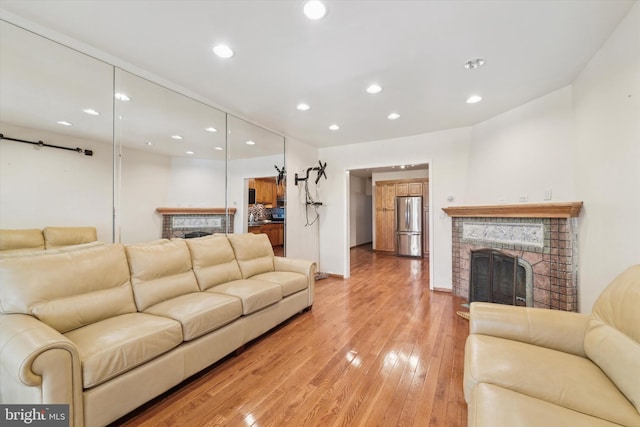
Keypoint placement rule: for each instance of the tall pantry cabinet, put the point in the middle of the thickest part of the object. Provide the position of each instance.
(385, 217)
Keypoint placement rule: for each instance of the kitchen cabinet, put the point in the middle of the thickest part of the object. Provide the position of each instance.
(385, 217)
(386, 192)
(409, 189)
(275, 232)
(266, 191)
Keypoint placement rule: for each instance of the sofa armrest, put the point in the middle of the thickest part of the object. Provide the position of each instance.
(38, 365)
(308, 268)
(554, 329)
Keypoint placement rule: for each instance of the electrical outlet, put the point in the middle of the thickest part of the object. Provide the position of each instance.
(523, 198)
(547, 194)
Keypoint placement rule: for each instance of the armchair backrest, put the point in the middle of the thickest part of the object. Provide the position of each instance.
(613, 338)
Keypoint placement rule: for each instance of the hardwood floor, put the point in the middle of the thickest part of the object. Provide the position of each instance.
(378, 349)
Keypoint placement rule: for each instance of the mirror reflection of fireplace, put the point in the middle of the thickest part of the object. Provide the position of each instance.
(500, 278)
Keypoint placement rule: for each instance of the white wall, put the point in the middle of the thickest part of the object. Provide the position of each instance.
(606, 154)
(43, 186)
(583, 142)
(522, 152)
(196, 183)
(446, 152)
(301, 240)
(360, 211)
(145, 178)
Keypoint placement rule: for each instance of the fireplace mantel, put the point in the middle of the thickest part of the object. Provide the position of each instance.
(528, 210)
(190, 211)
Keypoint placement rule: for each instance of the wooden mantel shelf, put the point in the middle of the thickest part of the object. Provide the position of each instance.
(191, 211)
(528, 210)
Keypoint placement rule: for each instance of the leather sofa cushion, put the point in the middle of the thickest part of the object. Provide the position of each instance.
(199, 312)
(21, 240)
(213, 260)
(290, 282)
(253, 252)
(254, 294)
(68, 290)
(113, 346)
(563, 379)
(496, 406)
(54, 237)
(160, 271)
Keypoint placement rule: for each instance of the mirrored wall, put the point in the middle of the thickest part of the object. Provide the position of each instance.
(57, 96)
(153, 150)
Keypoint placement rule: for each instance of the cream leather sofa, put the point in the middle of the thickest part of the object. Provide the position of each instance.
(536, 367)
(107, 328)
(32, 240)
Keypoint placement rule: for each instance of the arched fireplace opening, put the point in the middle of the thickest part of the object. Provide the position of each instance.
(500, 278)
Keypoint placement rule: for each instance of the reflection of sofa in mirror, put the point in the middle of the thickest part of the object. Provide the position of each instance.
(24, 241)
(541, 367)
(106, 329)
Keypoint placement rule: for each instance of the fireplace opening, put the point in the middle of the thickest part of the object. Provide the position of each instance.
(500, 278)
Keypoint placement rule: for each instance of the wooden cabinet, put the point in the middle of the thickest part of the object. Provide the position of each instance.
(266, 191)
(409, 189)
(386, 192)
(385, 217)
(275, 232)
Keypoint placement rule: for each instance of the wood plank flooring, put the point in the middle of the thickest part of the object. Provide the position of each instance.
(377, 349)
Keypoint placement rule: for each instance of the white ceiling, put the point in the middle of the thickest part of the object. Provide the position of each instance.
(414, 49)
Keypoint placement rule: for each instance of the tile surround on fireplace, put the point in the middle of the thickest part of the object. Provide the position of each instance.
(181, 222)
(548, 244)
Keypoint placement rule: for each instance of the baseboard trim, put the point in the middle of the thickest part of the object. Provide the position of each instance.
(442, 290)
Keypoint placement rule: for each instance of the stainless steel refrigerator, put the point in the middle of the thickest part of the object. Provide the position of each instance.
(409, 226)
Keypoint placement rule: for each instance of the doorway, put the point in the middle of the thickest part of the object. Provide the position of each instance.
(361, 203)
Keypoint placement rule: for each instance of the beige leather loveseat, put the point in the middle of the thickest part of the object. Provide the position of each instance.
(107, 328)
(535, 367)
(32, 240)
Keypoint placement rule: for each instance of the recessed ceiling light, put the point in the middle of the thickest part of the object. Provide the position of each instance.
(334, 127)
(223, 51)
(148, 143)
(63, 123)
(122, 97)
(189, 152)
(474, 99)
(474, 63)
(393, 116)
(210, 129)
(250, 142)
(91, 112)
(374, 88)
(302, 106)
(176, 137)
(314, 10)
(218, 148)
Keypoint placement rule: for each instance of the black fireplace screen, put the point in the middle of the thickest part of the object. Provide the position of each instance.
(497, 277)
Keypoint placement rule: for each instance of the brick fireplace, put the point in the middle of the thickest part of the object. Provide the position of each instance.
(194, 222)
(543, 235)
